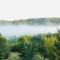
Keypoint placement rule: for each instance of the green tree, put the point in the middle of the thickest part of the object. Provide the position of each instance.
(25, 47)
(2, 47)
(49, 43)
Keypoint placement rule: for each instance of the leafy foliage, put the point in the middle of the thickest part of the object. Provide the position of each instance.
(2, 47)
(37, 47)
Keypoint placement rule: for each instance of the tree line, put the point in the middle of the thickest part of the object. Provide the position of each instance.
(37, 47)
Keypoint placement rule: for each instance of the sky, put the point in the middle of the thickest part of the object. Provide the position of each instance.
(23, 9)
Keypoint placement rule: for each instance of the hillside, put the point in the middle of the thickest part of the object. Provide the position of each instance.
(34, 21)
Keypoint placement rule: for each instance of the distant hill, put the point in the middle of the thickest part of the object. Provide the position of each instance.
(33, 21)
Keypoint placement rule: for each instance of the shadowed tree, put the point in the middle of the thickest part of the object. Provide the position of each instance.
(2, 47)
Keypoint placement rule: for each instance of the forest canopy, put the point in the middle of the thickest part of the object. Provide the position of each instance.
(37, 47)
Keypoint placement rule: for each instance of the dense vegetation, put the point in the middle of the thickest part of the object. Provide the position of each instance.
(38, 47)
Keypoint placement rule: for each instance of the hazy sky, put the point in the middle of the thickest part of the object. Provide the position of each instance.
(22, 9)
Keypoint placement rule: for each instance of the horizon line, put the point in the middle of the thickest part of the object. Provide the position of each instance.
(27, 18)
